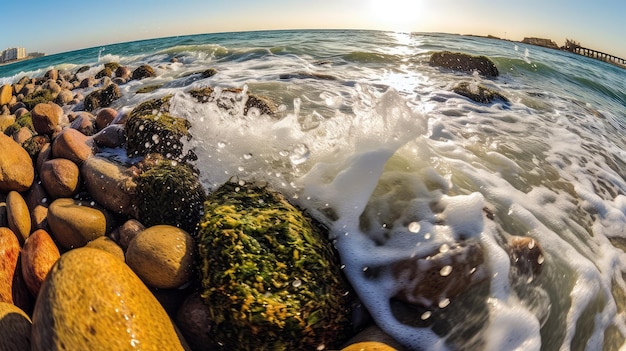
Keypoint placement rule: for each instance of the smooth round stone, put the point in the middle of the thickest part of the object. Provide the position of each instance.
(74, 224)
(104, 117)
(15, 328)
(85, 123)
(72, 145)
(6, 92)
(92, 301)
(109, 183)
(22, 135)
(46, 117)
(194, 320)
(110, 136)
(59, 177)
(9, 252)
(38, 255)
(18, 216)
(162, 256)
(65, 96)
(16, 168)
(128, 231)
(106, 244)
(372, 338)
(39, 217)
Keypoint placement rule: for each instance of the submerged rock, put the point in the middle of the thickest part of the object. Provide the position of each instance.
(464, 63)
(478, 93)
(266, 260)
(143, 71)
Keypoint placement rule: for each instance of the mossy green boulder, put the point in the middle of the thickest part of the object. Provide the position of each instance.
(269, 275)
(151, 129)
(169, 192)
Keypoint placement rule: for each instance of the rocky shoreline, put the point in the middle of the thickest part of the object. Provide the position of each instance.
(98, 253)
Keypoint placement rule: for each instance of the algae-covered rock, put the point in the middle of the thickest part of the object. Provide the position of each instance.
(39, 97)
(151, 129)
(464, 63)
(91, 300)
(143, 71)
(102, 97)
(269, 276)
(169, 192)
(478, 93)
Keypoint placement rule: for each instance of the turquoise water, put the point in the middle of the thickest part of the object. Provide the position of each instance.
(373, 142)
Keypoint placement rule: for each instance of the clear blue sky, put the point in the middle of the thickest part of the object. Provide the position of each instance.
(64, 25)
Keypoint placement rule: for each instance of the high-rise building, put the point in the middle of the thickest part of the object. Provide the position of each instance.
(13, 54)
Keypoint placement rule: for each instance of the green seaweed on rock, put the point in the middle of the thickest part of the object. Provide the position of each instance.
(270, 277)
(25, 120)
(169, 192)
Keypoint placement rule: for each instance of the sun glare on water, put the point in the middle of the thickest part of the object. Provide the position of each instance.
(401, 15)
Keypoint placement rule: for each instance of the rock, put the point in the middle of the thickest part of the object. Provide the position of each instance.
(193, 319)
(16, 168)
(143, 71)
(52, 74)
(46, 117)
(15, 328)
(38, 255)
(373, 339)
(18, 216)
(149, 89)
(265, 259)
(64, 97)
(151, 129)
(6, 121)
(464, 63)
(263, 105)
(478, 93)
(74, 224)
(442, 275)
(102, 97)
(72, 145)
(169, 192)
(60, 177)
(6, 93)
(20, 111)
(93, 301)
(87, 82)
(105, 72)
(128, 231)
(111, 136)
(104, 117)
(123, 72)
(39, 217)
(110, 184)
(34, 145)
(526, 255)
(4, 222)
(106, 244)
(162, 256)
(9, 253)
(85, 123)
(42, 96)
(44, 155)
(22, 135)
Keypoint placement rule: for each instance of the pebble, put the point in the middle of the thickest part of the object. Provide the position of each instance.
(38, 255)
(60, 177)
(18, 216)
(74, 224)
(16, 168)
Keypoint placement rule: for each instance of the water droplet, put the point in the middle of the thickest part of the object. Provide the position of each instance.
(296, 283)
(444, 303)
(445, 271)
(365, 269)
(247, 156)
(444, 248)
(321, 347)
(540, 259)
(427, 236)
(156, 138)
(240, 169)
(531, 244)
(414, 227)
(221, 144)
(426, 315)
(343, 266)
(141, 128)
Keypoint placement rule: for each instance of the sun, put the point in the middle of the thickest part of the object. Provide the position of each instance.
(402, 15)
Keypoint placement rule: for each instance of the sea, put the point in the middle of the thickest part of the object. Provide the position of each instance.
(371, 140)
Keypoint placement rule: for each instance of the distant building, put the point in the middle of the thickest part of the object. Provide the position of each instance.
(13, 54)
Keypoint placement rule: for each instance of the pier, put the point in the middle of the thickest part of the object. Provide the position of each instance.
(598, 55)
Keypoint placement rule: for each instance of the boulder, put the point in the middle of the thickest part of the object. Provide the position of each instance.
(16, 167)
(110, 136)
(162, 256)
(46, 117)
(60, 177)
(72, 145)
(22, 135)
(85, 123)
(87, 82)
(464, 63)
(38, 255)
(143, 71)
(440, 276)
(110, 184)
(102, 97)
(64, 97)
(104, 117)
(52, 74)
(106, 244)
(6, 93)
(38, 97)
(9, 252)
(92, 301)
(18, 216)
(74, 224)
(105, 72)
(478, 93)
(265, 259)
(15, 328)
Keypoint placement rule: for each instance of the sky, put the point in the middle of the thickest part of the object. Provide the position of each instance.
(65, 25)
